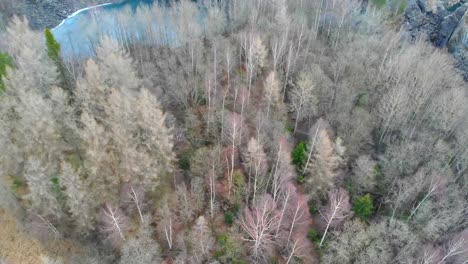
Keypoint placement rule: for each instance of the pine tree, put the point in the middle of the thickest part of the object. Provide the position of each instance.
(53, 51)
(53, 47)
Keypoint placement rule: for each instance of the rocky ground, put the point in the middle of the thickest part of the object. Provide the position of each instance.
(49, 13)
(444, 23)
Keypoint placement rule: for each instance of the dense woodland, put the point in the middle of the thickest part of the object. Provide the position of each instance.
(279, 131)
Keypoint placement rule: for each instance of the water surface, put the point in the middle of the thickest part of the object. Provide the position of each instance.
(80, 33)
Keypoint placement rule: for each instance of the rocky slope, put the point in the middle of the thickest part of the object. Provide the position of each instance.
(48, 13)
(444, 23)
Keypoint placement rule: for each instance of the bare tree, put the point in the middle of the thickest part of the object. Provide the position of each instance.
(303, 101)
(322, 167)
(336, 211)
(364, 174)
(314, 131)
(430, 255)
(166, 225)
(43, 227)
(260, 223)
(185, 203)
(134, 194)
(80, 200)
(113, 223)
(256, 164)
(233, 136)
(201, 239)
(41, 196)
(48, 260)
(255, 55)
(282, 169)
(141, 248)
(457, 247)
(272, 95)
(435, 183)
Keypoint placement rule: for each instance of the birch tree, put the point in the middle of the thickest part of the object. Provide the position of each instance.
(456, 248)
(282, 170)
(114, 223)
(259, 223)
(255, 161)
(134, 195)
(336, 211)
(255, 56)
(233, 137)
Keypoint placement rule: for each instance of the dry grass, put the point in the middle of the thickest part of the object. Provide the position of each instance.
(20, 248)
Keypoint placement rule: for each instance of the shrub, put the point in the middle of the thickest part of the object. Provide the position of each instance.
(313, 210)
(229, 217)
(379, 3)
(300, 179)
(229, 249)
(5, 62)
(299, 155)
(184, 162)
(313, 236)
(363, 206)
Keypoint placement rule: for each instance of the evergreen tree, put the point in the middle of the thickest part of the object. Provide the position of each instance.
(363, 206)
(53, 51)
(5, 62)
(299, 155)
(53, 47)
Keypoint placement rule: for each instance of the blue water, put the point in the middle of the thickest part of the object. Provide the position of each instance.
(80, 33)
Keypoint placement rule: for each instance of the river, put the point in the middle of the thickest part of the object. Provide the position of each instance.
(79, 33)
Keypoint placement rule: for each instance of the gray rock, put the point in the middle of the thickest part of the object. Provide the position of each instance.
(444, 27)
(449, 24)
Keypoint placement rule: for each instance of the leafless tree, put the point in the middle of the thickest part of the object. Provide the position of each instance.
(272, 95)
(113, 223)
(256, 163)
(456, 248)
(43, 227)
(336, 211)
(166, 224)
(364, 174)
(201, 239)
(303, 98)
(282, 170)
(80, 202)
(255, 55)
(233, 136)
(260, 223)
(322, 167)
(135, 195)
(141, 248)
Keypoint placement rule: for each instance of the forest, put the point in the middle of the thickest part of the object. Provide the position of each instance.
(275, 131)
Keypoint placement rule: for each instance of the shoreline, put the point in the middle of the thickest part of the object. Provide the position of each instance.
(80, 11)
